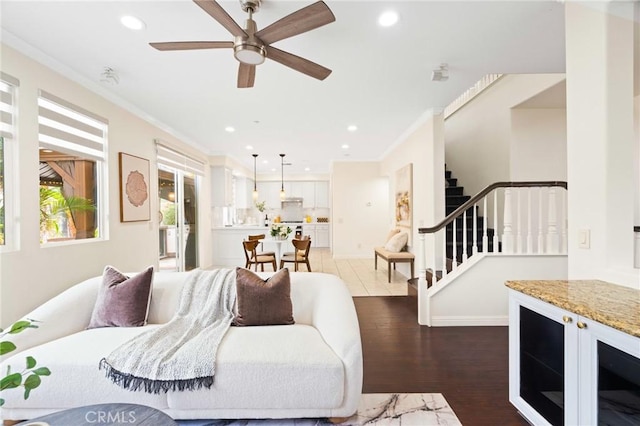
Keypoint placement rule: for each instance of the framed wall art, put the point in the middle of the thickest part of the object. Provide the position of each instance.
(134, 188)
(404, 197)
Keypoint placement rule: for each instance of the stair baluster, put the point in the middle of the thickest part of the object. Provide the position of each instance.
(540, 232)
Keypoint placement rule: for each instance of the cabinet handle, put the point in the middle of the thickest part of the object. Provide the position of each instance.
(567, 319)
(581, 324)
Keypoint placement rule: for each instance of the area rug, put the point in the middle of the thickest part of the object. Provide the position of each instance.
(376, 409)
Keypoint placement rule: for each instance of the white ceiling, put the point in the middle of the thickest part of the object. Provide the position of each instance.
(380, 81)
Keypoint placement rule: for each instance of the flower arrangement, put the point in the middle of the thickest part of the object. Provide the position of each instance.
(261, 206)
(279, 230)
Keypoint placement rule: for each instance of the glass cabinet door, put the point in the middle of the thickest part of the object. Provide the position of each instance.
(542, 365)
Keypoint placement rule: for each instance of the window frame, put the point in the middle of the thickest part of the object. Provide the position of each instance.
(101, 160)
(11, 197)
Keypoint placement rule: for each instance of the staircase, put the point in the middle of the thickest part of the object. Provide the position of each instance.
(454, 198)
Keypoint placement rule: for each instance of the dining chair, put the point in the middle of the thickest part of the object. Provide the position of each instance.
(253, 258)
(261, 237)
(300, 254)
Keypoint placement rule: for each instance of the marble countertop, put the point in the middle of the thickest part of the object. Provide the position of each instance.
(609, 304)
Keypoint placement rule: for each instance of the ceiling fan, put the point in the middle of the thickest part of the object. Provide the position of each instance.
(251, 47)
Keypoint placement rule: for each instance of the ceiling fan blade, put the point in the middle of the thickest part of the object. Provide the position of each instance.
(246, 75)
(219, 14)
(192, 45)
(297, 63)
(298, 22)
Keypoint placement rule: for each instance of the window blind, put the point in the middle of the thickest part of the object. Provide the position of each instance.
(71, 129)
(171, 158)
(8, 86)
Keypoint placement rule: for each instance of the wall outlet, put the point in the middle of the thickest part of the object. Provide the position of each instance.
(584, 238)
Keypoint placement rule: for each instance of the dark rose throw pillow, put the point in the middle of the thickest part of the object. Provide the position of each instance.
(263, 302)
(122, 301)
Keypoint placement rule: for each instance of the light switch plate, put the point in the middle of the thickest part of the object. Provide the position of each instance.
(584, 238)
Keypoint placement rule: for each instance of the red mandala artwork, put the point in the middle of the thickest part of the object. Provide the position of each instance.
(136, 189)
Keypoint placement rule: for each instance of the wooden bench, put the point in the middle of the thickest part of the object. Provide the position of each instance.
(393, 258)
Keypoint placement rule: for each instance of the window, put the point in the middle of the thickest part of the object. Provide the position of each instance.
(72, 171)
(8, 190)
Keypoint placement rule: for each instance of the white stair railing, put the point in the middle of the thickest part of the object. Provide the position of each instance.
(530, 215)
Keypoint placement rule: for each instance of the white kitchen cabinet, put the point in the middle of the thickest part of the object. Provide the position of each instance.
(321, 194)
(322, 235)
(310, 230)
(243, 192)
(308, 195)
(557, 360)
(269, 192)
(221, 187)
(293, 189)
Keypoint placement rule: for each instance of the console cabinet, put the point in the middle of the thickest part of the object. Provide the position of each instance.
(567, 369)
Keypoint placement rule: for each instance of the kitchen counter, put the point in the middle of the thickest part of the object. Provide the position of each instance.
(609, 304)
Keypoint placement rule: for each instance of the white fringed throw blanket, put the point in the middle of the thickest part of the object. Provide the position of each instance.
(181, 354)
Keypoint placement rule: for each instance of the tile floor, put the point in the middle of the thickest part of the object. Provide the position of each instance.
(359, 274)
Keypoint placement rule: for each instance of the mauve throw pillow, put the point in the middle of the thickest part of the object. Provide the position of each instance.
(122, 301)
(263, 302)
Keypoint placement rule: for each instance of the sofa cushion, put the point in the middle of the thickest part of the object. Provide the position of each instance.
(263, 302)
(270, 367)
(122, 301)
(75, 379)
(397, 242)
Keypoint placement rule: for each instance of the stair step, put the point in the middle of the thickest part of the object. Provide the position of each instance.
(454, 190)
(456, 200)
(447, 174)
(479, 232)
(452, 182)
(451, 209)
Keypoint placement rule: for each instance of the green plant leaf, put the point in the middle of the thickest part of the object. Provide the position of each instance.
(42, 371)
(32, 382)
(6, 347)
(27, 391)
(19, 327)
(11, 381)
(1, 402)
(31, 362)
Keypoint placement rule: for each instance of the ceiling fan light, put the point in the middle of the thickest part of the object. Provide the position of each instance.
(249, 54)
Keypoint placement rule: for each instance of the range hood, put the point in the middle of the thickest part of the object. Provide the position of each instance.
(291, 210)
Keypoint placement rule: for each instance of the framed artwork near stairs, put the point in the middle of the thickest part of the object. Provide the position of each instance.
(404, 198)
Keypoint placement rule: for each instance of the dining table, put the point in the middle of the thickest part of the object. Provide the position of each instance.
(277, 244)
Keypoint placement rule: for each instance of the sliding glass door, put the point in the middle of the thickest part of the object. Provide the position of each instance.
(178, 203)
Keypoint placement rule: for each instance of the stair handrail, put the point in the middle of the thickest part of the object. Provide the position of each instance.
(473, 200)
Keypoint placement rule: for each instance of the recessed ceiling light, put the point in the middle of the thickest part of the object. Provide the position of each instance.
(388, 18)
(352, 128)
(273, 170)
(132, 22)
(229, 129)
(249, 147)
(265, 161)
(345, 146)
(306, 169)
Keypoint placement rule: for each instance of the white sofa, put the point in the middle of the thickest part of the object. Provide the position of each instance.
(310, 369)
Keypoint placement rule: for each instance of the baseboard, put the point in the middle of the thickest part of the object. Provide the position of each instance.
(466, 321)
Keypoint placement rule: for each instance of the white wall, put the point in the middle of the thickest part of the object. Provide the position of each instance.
(538, 144)
(600, 141)
(478, 136)
(458, 304)
(360, 209)
(33, 274)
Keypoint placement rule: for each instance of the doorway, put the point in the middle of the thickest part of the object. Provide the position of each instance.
(178, 232)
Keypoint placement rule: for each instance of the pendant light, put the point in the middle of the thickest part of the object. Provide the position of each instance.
(282, 194)
(255, 181)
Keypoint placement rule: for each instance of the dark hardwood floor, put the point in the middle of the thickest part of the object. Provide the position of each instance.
(468, 365)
